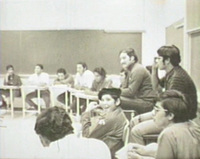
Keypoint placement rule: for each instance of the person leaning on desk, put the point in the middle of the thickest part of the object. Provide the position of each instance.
(11, 79)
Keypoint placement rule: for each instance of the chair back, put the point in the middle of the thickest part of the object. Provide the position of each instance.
(125, 136)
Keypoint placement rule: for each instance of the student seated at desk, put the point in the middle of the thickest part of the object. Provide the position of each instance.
(123, 78)
(137, 93)
(63, 78)
(105, 121)
(180, 138)
(83, 81)
(56, 133)
(41, 80)
(11, 79)
(84, 77)
(100, 81)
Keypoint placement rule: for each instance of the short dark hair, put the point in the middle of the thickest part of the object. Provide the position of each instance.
(172, 52)
(174, 102)
(41, 66)
(9, 66)
(61, 70)
(130, 52)
(101, 71)
(124, 71)
(83, 64)
(54, 123)
(114, 92)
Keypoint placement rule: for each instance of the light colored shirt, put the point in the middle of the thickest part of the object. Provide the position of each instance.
(72, 147)
(38, 80)
(84, 80)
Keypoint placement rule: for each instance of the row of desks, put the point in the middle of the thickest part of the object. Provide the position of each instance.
(60, 88)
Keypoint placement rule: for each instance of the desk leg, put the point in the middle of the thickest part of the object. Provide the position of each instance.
(71, 100)
(11, 102)
(39, 105)
(52, 98)
(87, 102)
(77, 106)
(66, 101)
(23, 103)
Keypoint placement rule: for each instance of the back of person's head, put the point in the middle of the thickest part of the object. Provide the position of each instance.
(54, 123)
(9, 67)
(113, 92)
(101, 71)
(130, 52)
(174, 102)
(83, 64)
(41, 66)
(171, 52)
(61, 70)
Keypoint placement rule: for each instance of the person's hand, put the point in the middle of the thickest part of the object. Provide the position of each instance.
(131, 154)
(155, 65)
(134, 121)
(138, 149)
(91, 106)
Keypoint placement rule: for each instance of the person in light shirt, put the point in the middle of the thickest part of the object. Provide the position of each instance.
(59, 139)
(39, 79)
(84, 77)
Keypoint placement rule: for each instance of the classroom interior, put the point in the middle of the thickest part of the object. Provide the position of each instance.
(59, 34)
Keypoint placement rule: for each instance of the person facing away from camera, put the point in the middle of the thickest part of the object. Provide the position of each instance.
(176, 79)
(56, 133)
(106, 120)
(180, 138)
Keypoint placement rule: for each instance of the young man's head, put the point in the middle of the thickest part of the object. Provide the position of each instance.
(53, 124)
(61, 73)
(39, 68)
(168, 55)
(123, 75)
(127, 57)
(99, 74)
(10, 69)
(81, 67)
(172, 108)
(109, 97)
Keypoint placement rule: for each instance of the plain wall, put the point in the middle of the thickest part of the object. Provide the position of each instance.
(64, 49)
(149, 16)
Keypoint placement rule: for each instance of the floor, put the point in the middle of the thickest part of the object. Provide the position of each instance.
(18, 139)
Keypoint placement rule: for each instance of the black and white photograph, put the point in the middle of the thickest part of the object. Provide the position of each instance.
(106, 79)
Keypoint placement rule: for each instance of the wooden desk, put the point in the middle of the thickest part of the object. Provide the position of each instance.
(10, 88)
(62, 89)
(81, 94)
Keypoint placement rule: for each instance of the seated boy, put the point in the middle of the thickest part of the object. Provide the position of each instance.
(106, 120)
(63, 78)
(11, 79)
